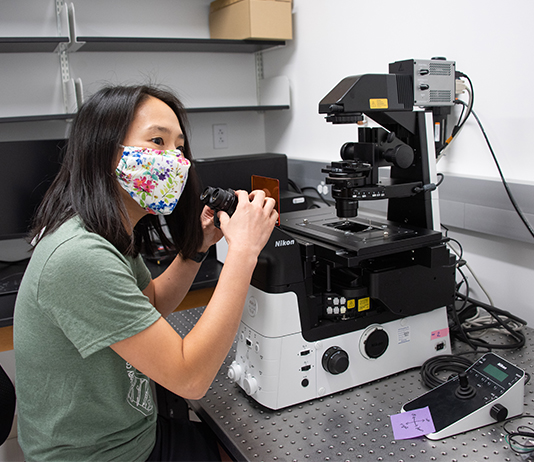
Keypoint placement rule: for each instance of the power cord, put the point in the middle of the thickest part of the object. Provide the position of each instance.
(455, 132)
(467, 110)
(461, 262)
(521, 438)
(504, 182)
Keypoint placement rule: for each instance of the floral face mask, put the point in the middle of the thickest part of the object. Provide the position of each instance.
(154, 179)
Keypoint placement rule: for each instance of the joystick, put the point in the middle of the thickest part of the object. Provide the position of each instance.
(465, 390)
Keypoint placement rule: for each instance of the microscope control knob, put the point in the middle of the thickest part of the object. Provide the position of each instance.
(499, 412)
(250, 385)
(335, 360)
(234, 372)
(376, 343)
(401, 156)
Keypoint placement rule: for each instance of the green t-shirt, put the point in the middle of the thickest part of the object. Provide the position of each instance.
(77, 399)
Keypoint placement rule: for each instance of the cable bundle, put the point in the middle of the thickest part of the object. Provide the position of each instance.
(431, 368)
(521, 440)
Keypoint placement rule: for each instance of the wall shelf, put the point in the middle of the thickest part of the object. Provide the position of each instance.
(36, 118)
(236, 108)
(271, 94)
(151, 44)
(135, 44)
(193, 110)
(31, 44)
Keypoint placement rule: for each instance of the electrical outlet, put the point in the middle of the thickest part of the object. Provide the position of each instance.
(220, 136)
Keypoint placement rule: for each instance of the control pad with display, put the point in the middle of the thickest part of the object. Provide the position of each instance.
(492, 389)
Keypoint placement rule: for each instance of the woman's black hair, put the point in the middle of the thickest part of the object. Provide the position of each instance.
(87, 186)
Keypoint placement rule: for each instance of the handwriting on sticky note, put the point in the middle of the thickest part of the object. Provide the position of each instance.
(439, 333)
(412, 424)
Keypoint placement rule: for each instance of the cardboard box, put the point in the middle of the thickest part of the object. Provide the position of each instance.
(251, 19)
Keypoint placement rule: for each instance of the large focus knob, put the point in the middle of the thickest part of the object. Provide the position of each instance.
(376, 343)
(250, 385)
(234, 371)
(401, 156)
(335, 360)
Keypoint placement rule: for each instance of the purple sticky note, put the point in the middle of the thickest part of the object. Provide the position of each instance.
(412, 424)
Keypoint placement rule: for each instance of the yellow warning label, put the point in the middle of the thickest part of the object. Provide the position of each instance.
(364, 304)
(351, 304)
(378, 103)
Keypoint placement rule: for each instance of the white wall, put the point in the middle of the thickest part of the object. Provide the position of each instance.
(490, 41)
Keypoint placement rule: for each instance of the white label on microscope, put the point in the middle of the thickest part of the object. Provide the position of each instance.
(404, 334)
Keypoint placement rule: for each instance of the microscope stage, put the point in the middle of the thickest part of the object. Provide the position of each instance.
(363, 234)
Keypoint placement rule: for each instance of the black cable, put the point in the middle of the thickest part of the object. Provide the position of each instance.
(521, 431)
(503, 179)
(301, 190)
(467, 288)
(471, 100)
(462, 333)
(457, 330)
(431, 367)
(462, 118)
(294, 185)
(460, 257)
(318, 193)
(429, 186)
(504, 182)
(494, 309)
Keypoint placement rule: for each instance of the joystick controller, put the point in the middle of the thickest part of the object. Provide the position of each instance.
(490, 390)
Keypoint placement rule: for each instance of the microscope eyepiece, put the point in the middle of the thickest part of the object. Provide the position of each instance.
(219, 200)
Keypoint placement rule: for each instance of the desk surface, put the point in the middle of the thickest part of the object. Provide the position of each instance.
(352, 425)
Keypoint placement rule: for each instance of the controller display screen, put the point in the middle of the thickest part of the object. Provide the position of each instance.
(495, 372)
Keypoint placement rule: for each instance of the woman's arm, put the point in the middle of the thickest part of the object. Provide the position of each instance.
(188, 366)
(168, 290)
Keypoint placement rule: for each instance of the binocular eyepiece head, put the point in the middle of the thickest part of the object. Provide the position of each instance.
(219, 199)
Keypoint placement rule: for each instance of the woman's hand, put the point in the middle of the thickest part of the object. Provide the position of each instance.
(212, 234)
(252, 223)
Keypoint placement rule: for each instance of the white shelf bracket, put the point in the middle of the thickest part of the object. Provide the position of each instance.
(72, 90)
(74, 45)
(61, 17)
(273, 91)
(258, 58)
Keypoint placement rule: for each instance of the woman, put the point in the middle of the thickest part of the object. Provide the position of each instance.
(89, 326)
